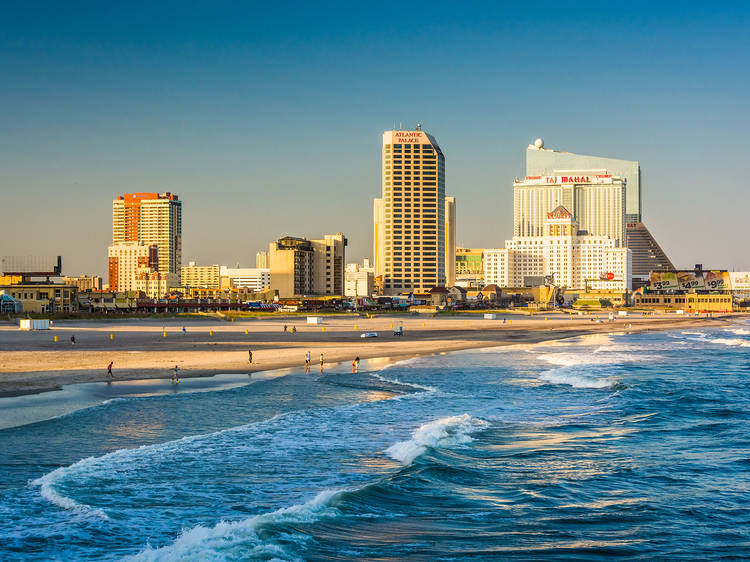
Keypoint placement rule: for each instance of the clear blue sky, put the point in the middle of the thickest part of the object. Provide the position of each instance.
(267, 119)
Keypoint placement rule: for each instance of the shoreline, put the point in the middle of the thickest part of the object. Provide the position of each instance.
(223, 350)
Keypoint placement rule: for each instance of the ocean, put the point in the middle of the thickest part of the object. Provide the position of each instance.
(633, 446)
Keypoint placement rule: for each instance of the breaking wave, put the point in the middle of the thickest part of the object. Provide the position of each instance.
(239, 540)
(731, 341)
(560, 376)
(445, 432)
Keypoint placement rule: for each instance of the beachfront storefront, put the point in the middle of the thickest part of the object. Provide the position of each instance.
(686, 302)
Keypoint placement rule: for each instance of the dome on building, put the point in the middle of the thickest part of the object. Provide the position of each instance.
(539, 143)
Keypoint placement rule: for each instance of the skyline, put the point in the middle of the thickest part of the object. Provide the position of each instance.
(265, 131)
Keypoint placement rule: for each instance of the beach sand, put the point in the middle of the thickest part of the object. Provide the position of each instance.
(32, 362)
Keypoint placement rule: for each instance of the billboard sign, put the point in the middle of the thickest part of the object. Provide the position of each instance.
(740, 281)
(716, 280)
(690, 280)
(663, 281)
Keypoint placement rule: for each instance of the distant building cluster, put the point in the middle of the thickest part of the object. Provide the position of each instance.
(577, 230)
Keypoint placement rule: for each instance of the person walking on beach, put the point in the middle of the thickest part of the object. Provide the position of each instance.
(72, 341)
(285, 328)
(250, 355)
(307, 362)
(109, 370)
(176, 375)
(321, 362)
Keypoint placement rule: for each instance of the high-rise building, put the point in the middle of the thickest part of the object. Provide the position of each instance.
(151, 219)
(570, 257)
(329, 262)
(596, 199)
(450, 241)
(125, 261)
(308, 267)
(291, 264)
(412, 253)
(542, 161)
(378, 237)
(646, 252)
(261, 260)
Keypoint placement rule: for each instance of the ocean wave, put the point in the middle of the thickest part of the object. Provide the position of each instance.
(692, 333)
(444, 432)
(421, 387)
(49, 493)
(562, 376)
(401, 363)
(239, 540)
(739, 331)
(91, 467)
(602, 356)
(731, 341)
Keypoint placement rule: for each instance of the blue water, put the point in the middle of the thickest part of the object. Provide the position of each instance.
(633, 445)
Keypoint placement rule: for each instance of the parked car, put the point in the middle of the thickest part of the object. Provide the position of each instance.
(369, 335)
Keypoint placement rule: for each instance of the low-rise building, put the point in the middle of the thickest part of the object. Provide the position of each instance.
(253, 278)
(84, 282)
(689, 302)
(206, 276)
(155, 284)
(43, 298)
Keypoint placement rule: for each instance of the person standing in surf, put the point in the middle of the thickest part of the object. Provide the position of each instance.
(321, 362)
(307, 362)
(176, 375)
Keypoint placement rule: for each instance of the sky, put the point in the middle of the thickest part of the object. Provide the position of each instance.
(266, 119)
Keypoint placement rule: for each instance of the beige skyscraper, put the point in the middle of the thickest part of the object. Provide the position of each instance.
(411, 253)
(450, 241)
(378, 237)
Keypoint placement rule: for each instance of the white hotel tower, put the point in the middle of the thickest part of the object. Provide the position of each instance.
(595, 198)
(573, 258)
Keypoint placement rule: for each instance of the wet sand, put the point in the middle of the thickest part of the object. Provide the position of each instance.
(31, 362)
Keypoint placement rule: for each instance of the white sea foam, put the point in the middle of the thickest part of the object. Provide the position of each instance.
(445, 432)
(691, 333)
(49, 493)
(731, 341)
(739, 331)
(561, 376)
(239, 540)
(401, 363)
(597, 358)
(402, 383)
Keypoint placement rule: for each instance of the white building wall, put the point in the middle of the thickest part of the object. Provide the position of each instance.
(254, 278)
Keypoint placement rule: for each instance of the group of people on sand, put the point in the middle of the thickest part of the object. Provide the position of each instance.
(308, 363)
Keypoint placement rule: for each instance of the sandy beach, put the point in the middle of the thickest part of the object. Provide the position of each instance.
(32, 362)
